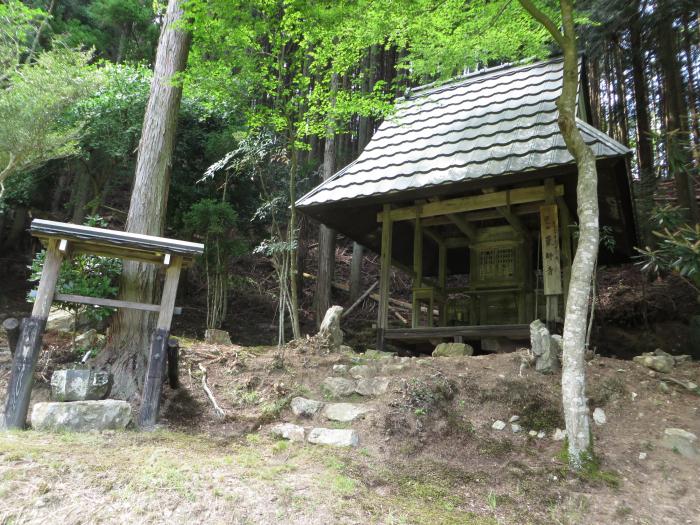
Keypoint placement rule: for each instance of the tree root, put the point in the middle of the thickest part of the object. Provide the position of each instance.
(217, 409)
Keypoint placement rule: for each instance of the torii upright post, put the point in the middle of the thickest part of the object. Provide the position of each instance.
(32, 333)
(150, 403)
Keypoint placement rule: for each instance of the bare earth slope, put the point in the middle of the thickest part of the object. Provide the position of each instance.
(427, 451)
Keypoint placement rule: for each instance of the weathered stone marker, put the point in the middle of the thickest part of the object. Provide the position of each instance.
(80, 385)
(330, 327)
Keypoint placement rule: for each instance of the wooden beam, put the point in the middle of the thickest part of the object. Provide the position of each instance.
(457, 242)
(467, 229)
(507, 213)
(530, 208)
(432, 235)
(359, 300)
(472, 203)
(111, 303)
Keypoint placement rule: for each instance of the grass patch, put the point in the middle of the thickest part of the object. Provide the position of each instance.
(591, 471)
(496, 448)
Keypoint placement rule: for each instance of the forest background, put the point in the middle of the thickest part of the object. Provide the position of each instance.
(278, 95)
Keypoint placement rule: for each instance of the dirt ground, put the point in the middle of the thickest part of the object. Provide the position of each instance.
(427, 452)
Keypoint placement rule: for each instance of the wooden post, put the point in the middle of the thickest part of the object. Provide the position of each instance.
(442, 281)
(384, 276)
(417, 272)
(19, 388)
(566, 253)
(150, 402)
(173, 363)
(356, 270)
(551, 264)
(11, 327)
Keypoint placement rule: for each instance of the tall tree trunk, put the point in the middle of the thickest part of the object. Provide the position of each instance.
(645, 151)
(80, 193)
(677, 136)
(573, 380)
(620, 93)
(326, 236)
(594, 90)
(292, 239)
(131, 329)
(692, 91)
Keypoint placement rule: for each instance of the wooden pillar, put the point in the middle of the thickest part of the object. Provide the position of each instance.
(384, 276)
(356, 271)
(11, 327)
(442, 281)
(19, 388)
(173, 363)
(150, 402)
(418, 272)
(566, 252)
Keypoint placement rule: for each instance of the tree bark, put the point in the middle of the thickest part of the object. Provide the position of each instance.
(677, 136)
(620, 93)
(573, 381)
(326, 236)
(645, 148)
(692, 94)
(131, 330)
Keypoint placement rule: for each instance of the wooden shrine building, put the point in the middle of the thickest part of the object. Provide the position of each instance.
(469, 187)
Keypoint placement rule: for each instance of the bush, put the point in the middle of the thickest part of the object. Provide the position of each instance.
(82, 274)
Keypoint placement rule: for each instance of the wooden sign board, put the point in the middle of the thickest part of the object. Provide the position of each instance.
(551, 263)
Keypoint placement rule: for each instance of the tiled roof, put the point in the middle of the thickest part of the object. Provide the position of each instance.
(495, 122)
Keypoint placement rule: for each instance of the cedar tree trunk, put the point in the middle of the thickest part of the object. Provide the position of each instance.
(131, 330)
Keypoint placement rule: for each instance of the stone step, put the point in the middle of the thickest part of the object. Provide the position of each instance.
(337, 437)
(341, 386)
(81, 416)
(305, 407)
(345, 412)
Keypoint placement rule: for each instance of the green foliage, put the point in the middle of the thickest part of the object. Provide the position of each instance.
(118, 30)
(113, 114)
(38, 91)
(89, 275)
(678, 248)
(214, 221)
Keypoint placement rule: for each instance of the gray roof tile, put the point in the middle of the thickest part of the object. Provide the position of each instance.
(495, 122)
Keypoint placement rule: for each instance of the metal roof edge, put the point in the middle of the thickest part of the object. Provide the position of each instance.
(299, 203)
(603, 137)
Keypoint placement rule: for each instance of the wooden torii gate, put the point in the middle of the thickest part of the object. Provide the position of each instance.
(64, 240)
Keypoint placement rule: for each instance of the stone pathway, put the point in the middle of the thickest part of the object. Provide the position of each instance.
(367, 380)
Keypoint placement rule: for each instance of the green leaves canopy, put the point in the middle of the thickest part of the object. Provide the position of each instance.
(36, 92)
